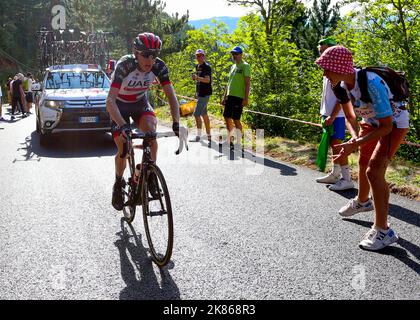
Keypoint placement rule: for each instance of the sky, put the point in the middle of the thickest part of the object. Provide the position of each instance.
(208, 9)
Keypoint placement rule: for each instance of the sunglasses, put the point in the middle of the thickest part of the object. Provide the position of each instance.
(149, 53)
(235, 53)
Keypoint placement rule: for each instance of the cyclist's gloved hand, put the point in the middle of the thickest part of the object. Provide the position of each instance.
(126, 131)
(175, 128)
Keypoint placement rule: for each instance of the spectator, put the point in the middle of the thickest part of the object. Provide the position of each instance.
(9, 91)
(28, 91)
(332, 114)
(36, 88)
(110, 68)
(383, 128)
(202, 77)
(236, 94)
(18, 95)
(1, 111)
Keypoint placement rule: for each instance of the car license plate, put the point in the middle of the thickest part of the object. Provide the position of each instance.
(88, 119)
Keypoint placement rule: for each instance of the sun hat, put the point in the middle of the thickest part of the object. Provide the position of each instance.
(199, 51)
(337, 59)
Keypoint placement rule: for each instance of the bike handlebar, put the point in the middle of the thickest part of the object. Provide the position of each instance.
(156, 135)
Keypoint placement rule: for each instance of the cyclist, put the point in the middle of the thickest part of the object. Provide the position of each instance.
(133, 76)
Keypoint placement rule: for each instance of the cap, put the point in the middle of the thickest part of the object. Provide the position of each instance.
(199, 51)
(337, 59)
(330, 41)
(237, 49)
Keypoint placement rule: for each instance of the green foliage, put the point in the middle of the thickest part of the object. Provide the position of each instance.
(21, 19)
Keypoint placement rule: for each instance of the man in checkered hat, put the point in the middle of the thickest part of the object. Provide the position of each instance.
(333, 115)
(383, 128)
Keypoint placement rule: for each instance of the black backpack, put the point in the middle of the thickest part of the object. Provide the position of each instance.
(396, 81)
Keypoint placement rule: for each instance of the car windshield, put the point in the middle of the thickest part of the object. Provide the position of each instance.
(77, 80)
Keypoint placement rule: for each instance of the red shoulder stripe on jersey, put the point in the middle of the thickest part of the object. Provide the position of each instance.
(116, 85)
(164, 83)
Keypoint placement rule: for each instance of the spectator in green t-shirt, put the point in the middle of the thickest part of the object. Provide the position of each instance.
(236, 94)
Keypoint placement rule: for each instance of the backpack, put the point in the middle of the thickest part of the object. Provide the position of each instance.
(396, 81)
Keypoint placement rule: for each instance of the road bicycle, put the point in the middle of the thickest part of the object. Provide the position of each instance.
(144, 185)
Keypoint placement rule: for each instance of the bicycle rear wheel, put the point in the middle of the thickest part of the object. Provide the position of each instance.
(157, 215)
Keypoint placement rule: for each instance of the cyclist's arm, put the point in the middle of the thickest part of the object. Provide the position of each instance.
(169, 91)
(112, 108)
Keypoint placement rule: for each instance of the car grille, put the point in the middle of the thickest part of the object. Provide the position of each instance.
(91, 103)
(70, 118)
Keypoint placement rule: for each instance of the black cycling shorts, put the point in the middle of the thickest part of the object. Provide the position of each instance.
(135, 111)
(233, 108)
(29, 97)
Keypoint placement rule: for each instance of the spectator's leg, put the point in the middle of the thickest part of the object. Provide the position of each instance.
(239, 130)
(199, 124)
(207, 125)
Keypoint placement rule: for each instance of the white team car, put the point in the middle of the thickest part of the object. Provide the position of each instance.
(73, 99)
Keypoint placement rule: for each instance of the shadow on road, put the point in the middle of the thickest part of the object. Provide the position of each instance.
(238, 154)
(69, 145)
(396, 252)
(134, 260)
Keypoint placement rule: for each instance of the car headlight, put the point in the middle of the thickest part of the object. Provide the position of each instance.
(52, 104)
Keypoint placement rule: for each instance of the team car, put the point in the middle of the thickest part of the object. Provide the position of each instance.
(73, 99)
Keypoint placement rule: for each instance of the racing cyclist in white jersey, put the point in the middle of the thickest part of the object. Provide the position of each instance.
(133, 76)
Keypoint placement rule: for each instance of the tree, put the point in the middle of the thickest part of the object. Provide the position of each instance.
(275, 14)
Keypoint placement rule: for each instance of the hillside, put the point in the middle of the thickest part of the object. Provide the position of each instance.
(231, 22)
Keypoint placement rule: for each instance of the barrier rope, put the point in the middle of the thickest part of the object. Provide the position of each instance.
(280, 117)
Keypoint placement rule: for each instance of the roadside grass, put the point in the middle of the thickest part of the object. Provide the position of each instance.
(402, 175)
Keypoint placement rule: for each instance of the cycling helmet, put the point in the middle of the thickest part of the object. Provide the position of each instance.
(147, 41)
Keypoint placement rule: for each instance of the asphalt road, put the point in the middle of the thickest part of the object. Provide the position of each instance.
(244, 228)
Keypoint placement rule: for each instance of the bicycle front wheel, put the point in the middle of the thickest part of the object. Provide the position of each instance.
(157, 215)
(129, 190)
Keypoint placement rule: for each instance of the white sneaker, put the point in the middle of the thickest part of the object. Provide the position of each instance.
(329, 178)
(376, 240)
(354, 206)
(341, 185)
